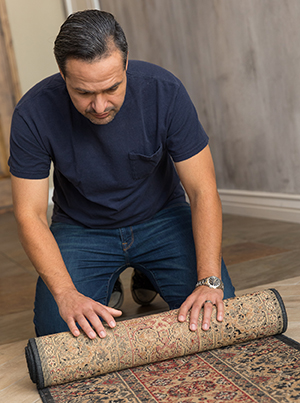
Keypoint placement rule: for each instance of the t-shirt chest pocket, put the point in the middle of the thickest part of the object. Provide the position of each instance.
(143, 165)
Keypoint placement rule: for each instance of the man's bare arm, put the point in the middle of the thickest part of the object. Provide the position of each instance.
(198, 178)
(30, 199)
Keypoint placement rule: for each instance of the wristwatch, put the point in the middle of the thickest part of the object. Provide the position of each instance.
(211, 282)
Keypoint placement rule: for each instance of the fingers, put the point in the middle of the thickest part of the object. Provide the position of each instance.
(84, 324)
(89, 321)
(183, 310)
(207, 311)
(114, 312)
(202, 298)
(107, 314)
(220, 310)
(73, 328)
(86, 313)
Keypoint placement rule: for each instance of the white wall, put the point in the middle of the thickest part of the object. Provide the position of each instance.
(34, 25)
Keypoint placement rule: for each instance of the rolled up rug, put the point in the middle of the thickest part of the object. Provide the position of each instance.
(61, 358)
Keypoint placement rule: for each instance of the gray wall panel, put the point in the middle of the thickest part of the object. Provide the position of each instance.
(240, 62)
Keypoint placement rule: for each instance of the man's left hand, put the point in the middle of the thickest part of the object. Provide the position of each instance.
(205, 297)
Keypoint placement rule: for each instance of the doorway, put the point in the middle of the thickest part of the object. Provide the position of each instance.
(10, 93)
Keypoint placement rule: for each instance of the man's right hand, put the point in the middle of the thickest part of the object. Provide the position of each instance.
(30, 207)
(74, 308)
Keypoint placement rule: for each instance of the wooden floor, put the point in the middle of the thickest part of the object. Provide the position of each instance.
(259, 254)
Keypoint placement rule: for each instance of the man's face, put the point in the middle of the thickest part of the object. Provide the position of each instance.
(97, 89)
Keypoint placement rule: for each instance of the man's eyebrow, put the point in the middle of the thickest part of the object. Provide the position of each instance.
(92, 92)
(115, 85)
(83, 90)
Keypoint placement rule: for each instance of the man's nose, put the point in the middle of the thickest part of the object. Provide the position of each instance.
(99, 103)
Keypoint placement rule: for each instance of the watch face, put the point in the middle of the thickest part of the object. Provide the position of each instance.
(214, 282)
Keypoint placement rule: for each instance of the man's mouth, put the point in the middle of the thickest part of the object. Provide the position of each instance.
(101, 115)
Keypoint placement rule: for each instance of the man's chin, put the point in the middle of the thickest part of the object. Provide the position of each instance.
(101, 121)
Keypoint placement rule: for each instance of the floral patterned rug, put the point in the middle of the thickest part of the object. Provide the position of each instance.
(263, 371)
(158, 359)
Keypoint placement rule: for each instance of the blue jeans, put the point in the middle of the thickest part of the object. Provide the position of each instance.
(162, 248)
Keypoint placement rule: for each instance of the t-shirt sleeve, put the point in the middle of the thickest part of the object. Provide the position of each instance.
(186, 136)
(29, 158)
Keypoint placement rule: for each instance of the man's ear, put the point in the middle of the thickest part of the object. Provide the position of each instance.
(61, 73)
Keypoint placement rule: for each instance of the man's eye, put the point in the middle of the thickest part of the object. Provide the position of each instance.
(113, 89)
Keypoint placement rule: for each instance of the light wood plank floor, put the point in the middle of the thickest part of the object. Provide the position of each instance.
(259, 254)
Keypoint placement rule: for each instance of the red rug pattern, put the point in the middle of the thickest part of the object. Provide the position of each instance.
(262, 371)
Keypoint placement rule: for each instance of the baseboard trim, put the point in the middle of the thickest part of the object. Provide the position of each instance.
(274, 206)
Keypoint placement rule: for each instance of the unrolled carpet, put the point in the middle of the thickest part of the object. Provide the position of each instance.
(78, 365)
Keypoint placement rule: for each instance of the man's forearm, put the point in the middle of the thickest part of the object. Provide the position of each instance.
(74, 307)
(207, 230)
(44, 253)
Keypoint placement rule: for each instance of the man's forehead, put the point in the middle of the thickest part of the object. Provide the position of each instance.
(113, 57)
(103, 73)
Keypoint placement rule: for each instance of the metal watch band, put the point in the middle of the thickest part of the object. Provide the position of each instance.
(209, 281)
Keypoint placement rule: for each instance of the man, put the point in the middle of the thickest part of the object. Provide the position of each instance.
(122, 136)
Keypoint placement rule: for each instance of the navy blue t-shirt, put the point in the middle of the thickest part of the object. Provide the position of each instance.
(113, 175)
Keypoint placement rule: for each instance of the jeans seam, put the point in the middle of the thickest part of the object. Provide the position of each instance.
(125, 248)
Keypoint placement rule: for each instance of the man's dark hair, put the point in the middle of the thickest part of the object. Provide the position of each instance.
(89, 35)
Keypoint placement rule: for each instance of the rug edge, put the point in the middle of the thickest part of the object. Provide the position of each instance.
(45, 395)
(34, 363)
(283, 310)
(287, 340)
